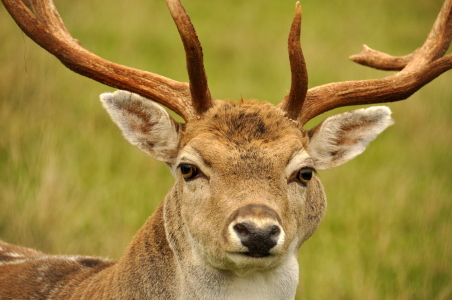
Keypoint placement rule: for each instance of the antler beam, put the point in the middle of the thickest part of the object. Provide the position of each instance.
(417, 69)
(42, 23)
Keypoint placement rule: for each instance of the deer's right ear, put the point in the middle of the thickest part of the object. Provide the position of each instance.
(144, 124)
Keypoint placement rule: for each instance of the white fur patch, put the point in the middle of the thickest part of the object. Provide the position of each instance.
(12, 254)
(14, 262)
(144, 124)
(279, 283)
(344, 136)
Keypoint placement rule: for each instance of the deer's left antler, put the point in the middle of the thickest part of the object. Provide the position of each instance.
(416, 70)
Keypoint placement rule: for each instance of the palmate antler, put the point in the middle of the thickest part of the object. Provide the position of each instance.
(42, 23)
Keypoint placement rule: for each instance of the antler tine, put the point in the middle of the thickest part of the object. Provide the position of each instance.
(46, 28)
(49, 17)
(293, 102)
(417, 69)
(380, 60)
(202, 100)
(434, 47)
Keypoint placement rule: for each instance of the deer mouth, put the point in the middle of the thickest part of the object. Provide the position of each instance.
(256, 254)
(245, 262)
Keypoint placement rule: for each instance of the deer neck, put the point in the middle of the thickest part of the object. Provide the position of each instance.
(148, 264)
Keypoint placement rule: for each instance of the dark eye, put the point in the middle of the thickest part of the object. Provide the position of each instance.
(305, 174)
(188, 171)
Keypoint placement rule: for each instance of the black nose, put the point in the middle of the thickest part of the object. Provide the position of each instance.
(258, 240)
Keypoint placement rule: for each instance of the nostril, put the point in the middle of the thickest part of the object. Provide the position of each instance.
(274, 233)
(242, 229)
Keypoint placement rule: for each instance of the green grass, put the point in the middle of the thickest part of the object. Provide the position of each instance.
(69, 183)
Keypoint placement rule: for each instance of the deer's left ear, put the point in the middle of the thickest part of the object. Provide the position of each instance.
(342, 137)
(144, 124)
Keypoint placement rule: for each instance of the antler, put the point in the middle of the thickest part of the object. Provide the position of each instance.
(293, 103)
(42, 23)
(193, 51)
(417, 69)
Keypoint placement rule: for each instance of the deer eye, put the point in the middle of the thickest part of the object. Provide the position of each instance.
(305, 174)
(188, 171)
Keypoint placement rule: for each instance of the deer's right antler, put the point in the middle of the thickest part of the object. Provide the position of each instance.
(42, 23)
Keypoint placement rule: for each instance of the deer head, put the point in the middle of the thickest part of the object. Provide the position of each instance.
(246, 186)
(246, 194)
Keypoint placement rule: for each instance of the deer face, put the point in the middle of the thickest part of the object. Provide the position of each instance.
(240, 172)
(246, 195)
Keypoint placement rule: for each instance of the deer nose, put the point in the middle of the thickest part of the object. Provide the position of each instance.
(258, 240)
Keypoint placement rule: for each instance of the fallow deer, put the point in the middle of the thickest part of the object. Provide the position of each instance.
(246, 195)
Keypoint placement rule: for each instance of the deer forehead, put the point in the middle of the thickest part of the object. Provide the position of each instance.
(250, 137)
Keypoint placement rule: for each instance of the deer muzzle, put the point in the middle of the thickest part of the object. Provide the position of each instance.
(255, 231)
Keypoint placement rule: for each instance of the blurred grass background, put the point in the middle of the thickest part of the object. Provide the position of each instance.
(69, 183)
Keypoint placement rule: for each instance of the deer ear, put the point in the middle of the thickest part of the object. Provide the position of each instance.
(144, 124)
(342, 137)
